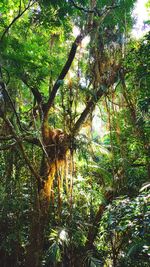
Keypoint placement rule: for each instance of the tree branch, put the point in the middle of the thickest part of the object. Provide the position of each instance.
(25, 157)
(32, 140)
(94, 10)
(81, 8)
(37, 95)
(92, 103)
(8, 146)
(6, 138)
(63, 73)
(20, 13)
(5, 91)
(72, 56)
(90, 106)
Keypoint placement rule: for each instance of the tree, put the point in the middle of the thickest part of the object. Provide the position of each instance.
(34, 42)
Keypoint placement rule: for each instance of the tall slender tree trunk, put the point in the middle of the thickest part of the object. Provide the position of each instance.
(39, 220)
(37, 230)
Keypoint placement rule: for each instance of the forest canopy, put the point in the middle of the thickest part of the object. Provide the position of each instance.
(74, 134)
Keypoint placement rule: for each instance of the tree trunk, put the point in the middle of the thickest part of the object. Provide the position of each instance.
(39, 218)
(41, 211)
(37, 230)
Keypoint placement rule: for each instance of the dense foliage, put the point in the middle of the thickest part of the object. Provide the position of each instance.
(74, 135)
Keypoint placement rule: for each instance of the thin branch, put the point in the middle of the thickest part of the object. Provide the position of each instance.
(114, 103)
(7, 74)
(19, 142)
(6, 138)
(30, 140)
(95, 10)
(33, 141)
(20, 13)
(4, 88)
(6, 147)
(137, 165)
(81, 8)
(20, 6)
(40, 140)
(37, 95)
